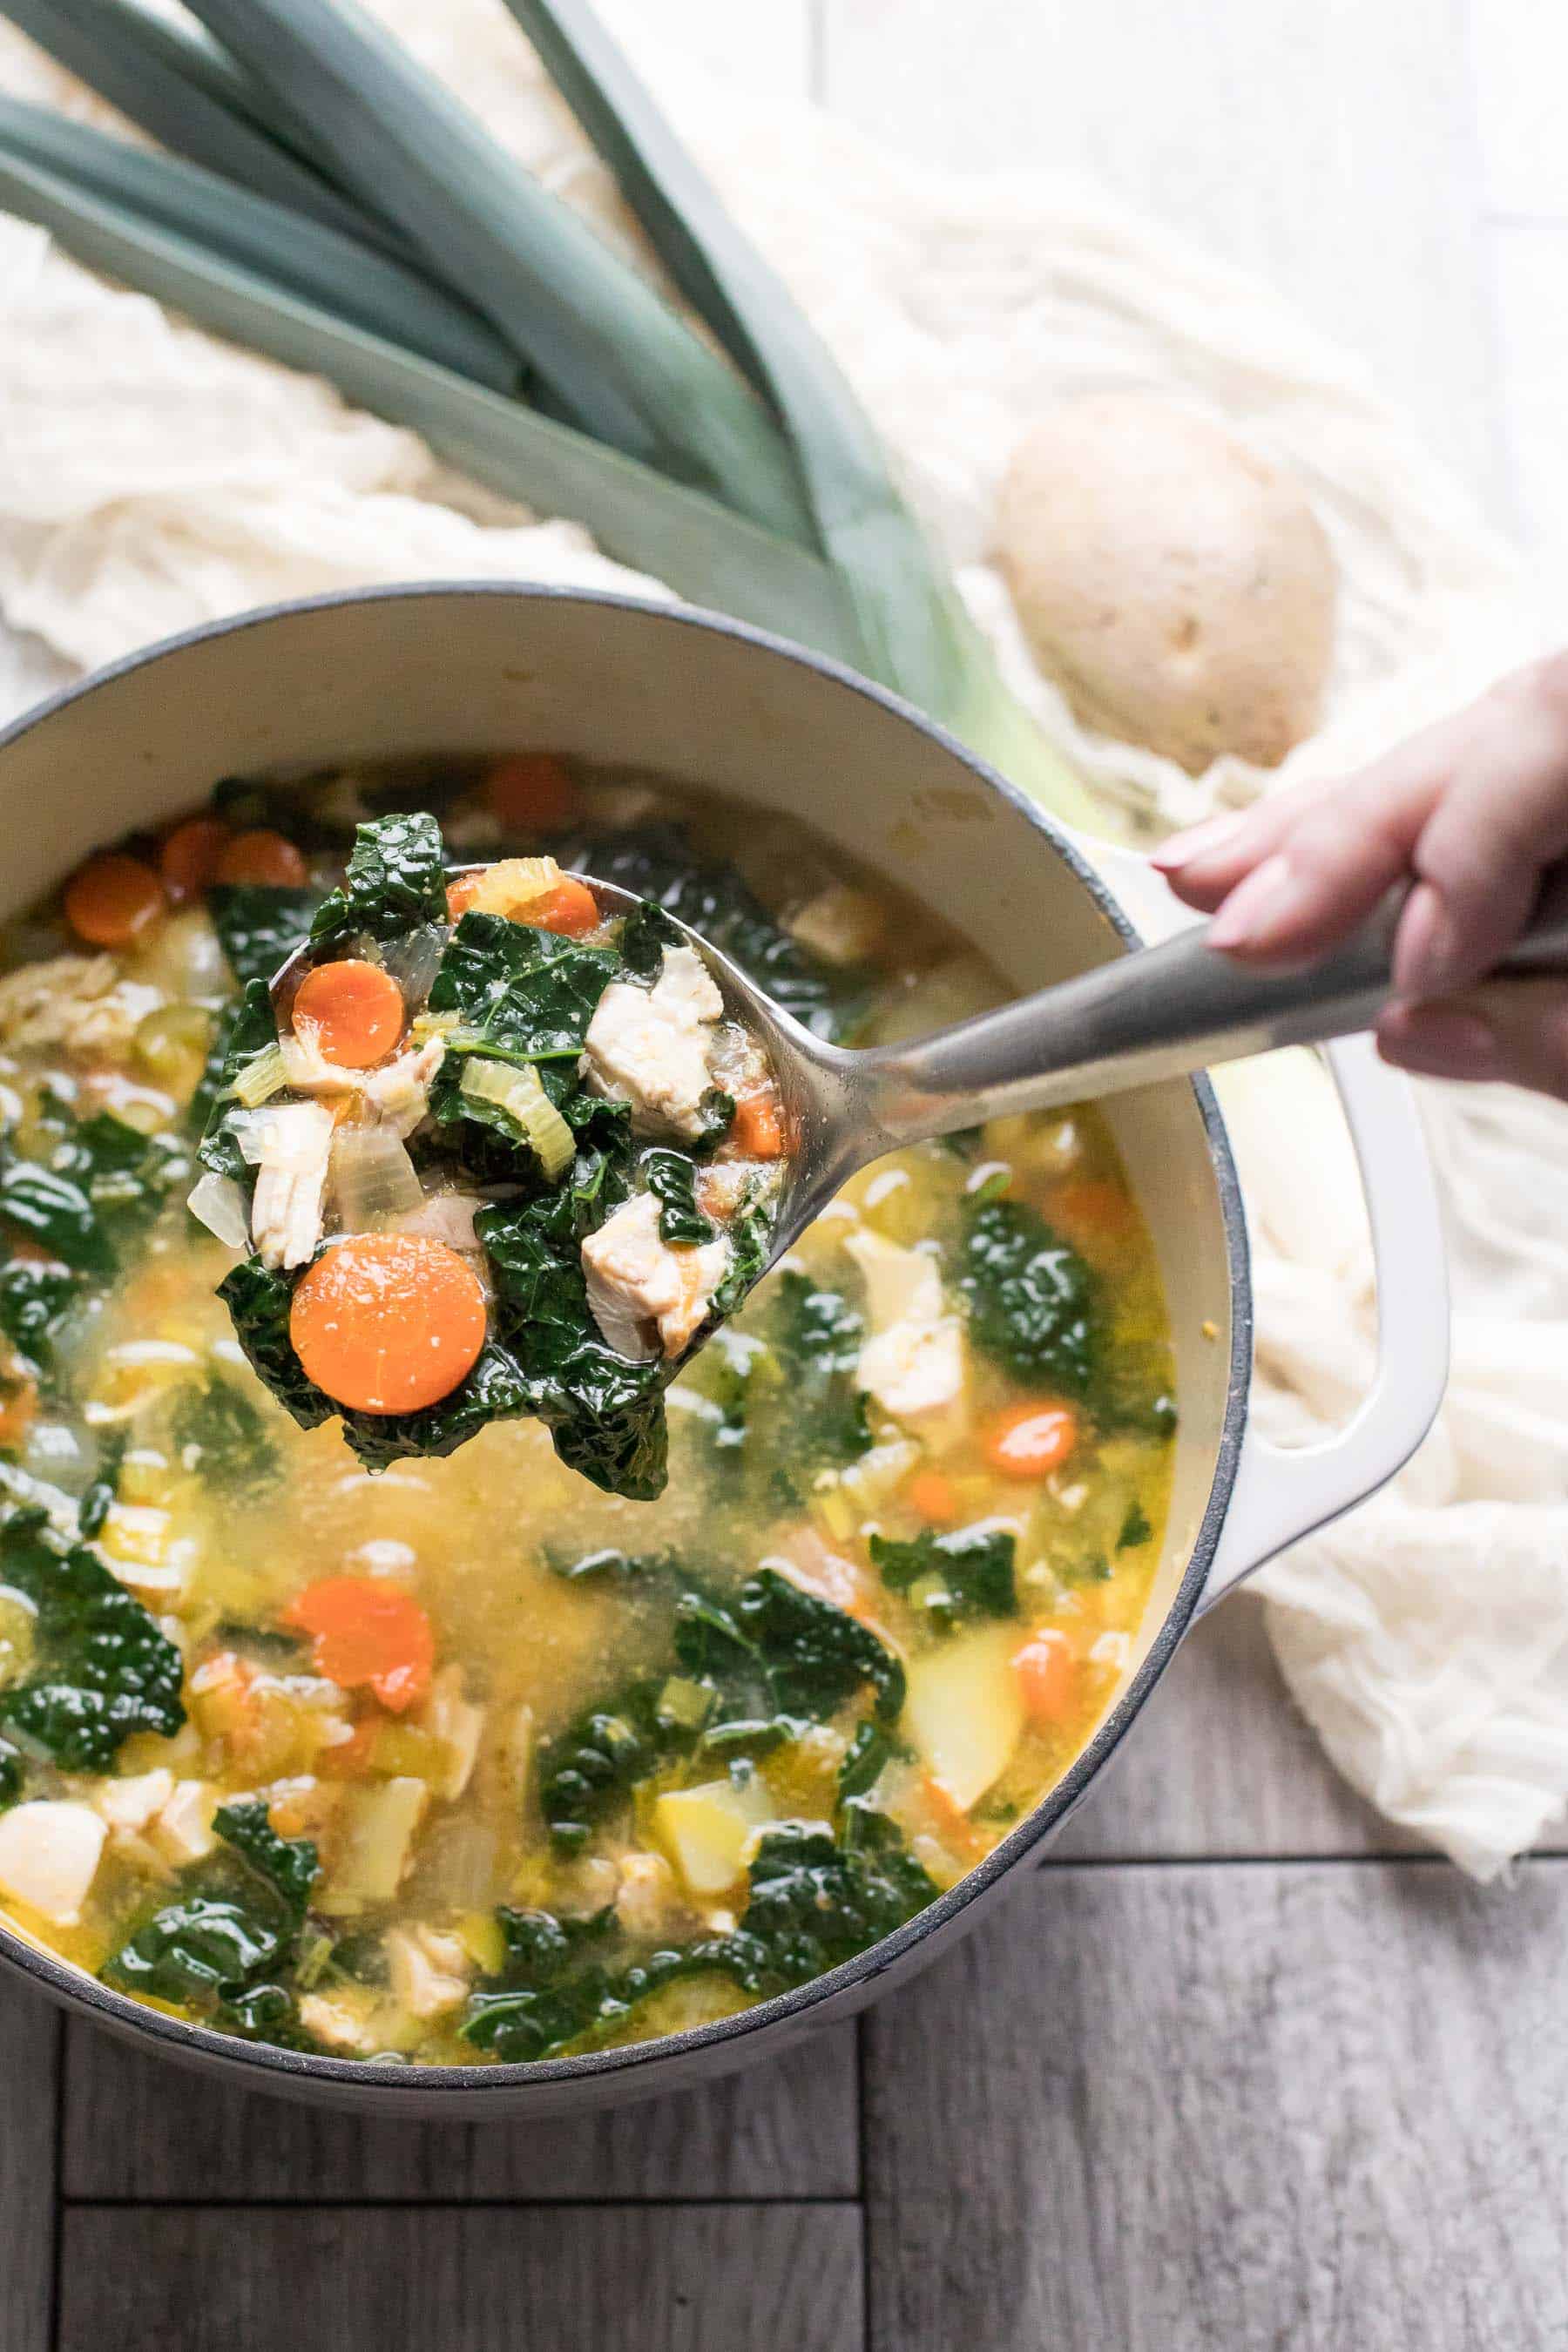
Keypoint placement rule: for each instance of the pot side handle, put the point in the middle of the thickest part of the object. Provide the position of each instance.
(1283, 1493)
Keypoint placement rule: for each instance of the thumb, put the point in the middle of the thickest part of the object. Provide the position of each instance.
(1514, 1032)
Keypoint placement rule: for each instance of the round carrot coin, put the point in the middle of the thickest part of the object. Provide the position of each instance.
(569, 908)
(353, 1010)
(532, 789)
(1046, 1672)
(388, 1322)
(262, 855)
(188, 860)
(367, 1632)
(113, 900)
(1030, 1440)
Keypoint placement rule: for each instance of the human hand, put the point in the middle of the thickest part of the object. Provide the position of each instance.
(1474, 808)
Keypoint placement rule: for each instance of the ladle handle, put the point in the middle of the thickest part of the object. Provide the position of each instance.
(1161, 1013)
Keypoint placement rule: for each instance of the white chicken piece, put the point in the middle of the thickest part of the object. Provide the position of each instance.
(129, 1805)
(296, 1142)
(400, 1094)
(648, 1900)
(336, 2024)
(183, 1830)
(50, 1853)
(913, 1362)
(429, 1971)
(650, 1046)
(450, 1716)
(77, 1002)
(443, 1217)
(646, 1294)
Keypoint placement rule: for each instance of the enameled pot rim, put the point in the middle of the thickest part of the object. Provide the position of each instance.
(265, 2065)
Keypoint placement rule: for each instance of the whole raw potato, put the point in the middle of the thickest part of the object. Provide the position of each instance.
(1179, 590)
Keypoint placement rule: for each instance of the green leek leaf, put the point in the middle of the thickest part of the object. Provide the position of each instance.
(179, 86)
(617, 361)
(914, 633)
(703, 551)
(334, 272)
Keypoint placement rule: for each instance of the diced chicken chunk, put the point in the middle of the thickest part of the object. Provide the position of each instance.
(841, 925)
(129, 1805)
(296, 1141)
(336, 2024)
(913, 1363)
(183, 1830)
(645, 1292)
(76, 1002)
(429, 1971)
(443, 1217)
(649, 1901)
(650, 1046)
(400, 1094)
(50, 1853)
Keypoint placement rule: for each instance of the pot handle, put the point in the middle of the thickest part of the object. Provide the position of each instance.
(1282, 1493)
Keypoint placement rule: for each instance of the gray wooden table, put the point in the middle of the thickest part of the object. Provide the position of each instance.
(1235, 2070)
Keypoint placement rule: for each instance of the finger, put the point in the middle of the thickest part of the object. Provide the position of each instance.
(1204, 865)
(1481, 854)
(1515, 1032)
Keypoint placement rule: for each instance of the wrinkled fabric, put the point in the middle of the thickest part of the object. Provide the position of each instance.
(152, 478)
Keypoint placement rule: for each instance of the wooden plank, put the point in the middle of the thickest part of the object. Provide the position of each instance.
(1221, 1763)
(138, 2128)
(1315, 2106)
(680, 2279)
(30, 2036)
(1321, 143)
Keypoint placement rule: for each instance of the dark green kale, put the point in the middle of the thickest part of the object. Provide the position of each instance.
(13, 1774)
(219, 1434)
(871, 1750)
(99, 1497)
(522, 995)
(105, 1670)
(814, 1902)
(967, 1572)
(657, 863)
(779, 1438)
(671, 1178)
(249, 1028)
(101, 1183)
(644, 935)
(259, 925)
(34, 1299)
(222, 1948)
(1034, 1303)
(308, 810)
(614, 1567)
(816, 1657)
(588, 1772)
(396, 880)
(1136, 1528)
(817, 1902)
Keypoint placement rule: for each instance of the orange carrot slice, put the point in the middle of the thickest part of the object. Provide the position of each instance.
(366, 1632)
(261, 855)
(758, 1129)
(114, 900)
(353, 1010)
(570, 908)
(188, 861)
(1047, 1673)
(1030, 1440)
(930, 1495)
(388, 1322)
(532, 789)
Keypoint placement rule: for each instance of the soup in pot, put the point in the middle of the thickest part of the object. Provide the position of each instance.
(505, 1750)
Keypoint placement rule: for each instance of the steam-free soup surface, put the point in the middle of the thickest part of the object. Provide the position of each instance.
(468, 1760)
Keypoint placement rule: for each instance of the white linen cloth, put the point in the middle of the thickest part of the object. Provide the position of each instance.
(152, 478)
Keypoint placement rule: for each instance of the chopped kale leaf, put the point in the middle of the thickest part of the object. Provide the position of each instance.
(289, 1865)
(100, 1183)
(1033, 1303)
(13, 1774)
(250, 1027)
(1136, 1528)
(815, 1903)
(259, 925)
(98, 1499)
(396, 880)
(967, 1572)
(34, 1299)
(106, 1670)
(588, 1772)
(671, 1178)
(815, 1655)
(522, 995)
(218, 1432)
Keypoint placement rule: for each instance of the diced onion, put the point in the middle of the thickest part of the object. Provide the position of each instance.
(261, 1077)
(412, 961)
(217, 1203)
(426, 1025)
(511, 886)
(373, 1177)
(521, 1095)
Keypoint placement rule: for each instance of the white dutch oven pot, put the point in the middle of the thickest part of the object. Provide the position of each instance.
(498, 669)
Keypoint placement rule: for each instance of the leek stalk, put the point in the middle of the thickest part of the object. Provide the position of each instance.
(704, 552)
(615, 358)
(914, 633)
(180, 87)
(300, 256)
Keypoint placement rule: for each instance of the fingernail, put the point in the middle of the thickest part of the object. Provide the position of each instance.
(1257, 907)
(1199, 841)
(1441, 1045)
(1425, 959)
